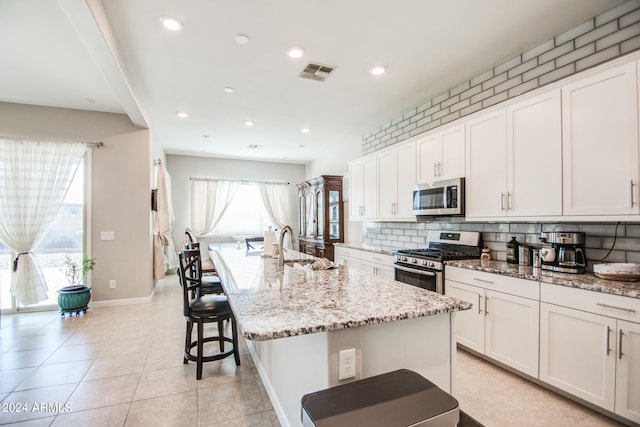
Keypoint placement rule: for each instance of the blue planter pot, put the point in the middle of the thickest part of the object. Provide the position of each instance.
(74, 299)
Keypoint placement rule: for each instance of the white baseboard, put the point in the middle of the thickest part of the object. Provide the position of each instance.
(124, 301)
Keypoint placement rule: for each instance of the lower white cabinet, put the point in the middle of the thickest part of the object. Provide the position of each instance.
(590, 347)
(366, 261)
(501, 324)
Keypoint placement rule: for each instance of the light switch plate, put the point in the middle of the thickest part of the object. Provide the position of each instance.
(107, 235)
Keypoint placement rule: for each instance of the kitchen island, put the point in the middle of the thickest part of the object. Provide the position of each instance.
(297, 320)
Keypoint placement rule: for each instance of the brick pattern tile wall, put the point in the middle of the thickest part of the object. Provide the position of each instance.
(607, 36)
(600, 237)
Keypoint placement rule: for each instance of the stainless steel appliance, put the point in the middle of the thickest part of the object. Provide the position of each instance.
(424, 267)
(439, 198)
(563, 252)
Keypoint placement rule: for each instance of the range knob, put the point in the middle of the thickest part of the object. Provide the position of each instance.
(402, 258)
(425, 262)
(413, 260)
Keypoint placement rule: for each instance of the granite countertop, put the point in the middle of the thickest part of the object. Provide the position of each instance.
(274, 302)
(582, 281)
(377, 250)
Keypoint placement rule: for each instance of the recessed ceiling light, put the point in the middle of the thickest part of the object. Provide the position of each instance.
(228, 89)
(305, 130)
(206, 136)
(172, 24)
(295, 52)
(182, 115)
(254, 146)
(378, 70)
(301, 146)
(249, 123)
(241, 39)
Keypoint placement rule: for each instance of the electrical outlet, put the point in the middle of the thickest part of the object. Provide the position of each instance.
(112, 284)
(347, 364)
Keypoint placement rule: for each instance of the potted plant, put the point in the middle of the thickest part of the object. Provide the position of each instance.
(76, 296)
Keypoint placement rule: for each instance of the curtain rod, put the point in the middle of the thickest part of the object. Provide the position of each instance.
(97, 144)
(242, 181)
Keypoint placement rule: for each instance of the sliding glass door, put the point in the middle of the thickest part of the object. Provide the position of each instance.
(65, 237)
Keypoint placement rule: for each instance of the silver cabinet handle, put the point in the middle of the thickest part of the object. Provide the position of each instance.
(479, 309)
(435, 169)
(486, 305)
(502, 202)
(620, 334)
(439, 169)
(608, 340)
(631, 186)
(630, 310)
(484, 281)
(509, 207)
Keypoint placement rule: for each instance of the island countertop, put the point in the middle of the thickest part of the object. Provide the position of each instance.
(272, 302)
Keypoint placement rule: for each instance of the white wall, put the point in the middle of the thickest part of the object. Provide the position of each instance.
(182, 168)
(121, 189)
(335, 161)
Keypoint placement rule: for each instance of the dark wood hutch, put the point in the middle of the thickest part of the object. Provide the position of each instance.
(321, 215)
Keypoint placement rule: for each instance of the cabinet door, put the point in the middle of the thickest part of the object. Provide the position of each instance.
(387, 183)
(406, 179)
(628, 371)
(577, 353)
(469, 323)
(486, 147)
(356, 189)
(428, 158)
(600, 144)
(511, 331)
(534, 156)
(452, 153)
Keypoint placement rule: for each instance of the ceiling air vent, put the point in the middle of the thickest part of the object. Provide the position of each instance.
(316, 72)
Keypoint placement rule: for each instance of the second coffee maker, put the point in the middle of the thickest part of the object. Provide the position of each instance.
(563, 252)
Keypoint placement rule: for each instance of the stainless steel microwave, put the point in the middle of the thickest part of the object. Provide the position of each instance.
(439, 198)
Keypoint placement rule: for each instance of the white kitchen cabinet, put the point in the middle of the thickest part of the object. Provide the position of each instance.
(347, 256)
(363, 179)
(590, 347)
(486, 169)
(503, 323)
(577, 353)
(534, 156)
(396, 178)
(600, 143)
(628, 371)
(441, 155)
(378, 264)
(515, 160)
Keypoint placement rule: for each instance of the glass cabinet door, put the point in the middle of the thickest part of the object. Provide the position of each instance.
(334, 214)
(320, 207)
(309, 215)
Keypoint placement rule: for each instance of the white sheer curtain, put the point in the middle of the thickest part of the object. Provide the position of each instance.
(34, 179)
(275, 198)
(209, 200)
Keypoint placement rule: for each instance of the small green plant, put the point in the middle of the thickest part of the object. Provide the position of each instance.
(76, 271)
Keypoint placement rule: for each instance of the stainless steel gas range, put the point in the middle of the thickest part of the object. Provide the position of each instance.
(424, 267)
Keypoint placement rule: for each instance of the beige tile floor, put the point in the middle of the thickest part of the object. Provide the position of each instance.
(122, 366)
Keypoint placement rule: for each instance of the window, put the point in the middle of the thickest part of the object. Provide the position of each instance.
(245, 215)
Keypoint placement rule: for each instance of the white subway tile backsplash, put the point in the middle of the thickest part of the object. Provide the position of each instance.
(609, 35)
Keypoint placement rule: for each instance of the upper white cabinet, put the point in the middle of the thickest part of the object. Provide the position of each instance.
(396, 178)
(363, 179)
(486, 146)
(600, 143)
(534, 156)
(441, 155)
(514, 165)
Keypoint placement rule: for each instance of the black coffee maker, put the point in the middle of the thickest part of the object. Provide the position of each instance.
(563, 252)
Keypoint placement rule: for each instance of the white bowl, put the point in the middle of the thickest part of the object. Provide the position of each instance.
(628, 272)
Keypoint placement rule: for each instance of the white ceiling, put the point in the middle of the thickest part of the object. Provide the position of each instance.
(115, 56)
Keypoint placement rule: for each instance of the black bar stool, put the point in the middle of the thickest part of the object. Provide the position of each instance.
(200, 309)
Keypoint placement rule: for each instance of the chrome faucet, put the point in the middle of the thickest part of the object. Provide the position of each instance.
(281, 254)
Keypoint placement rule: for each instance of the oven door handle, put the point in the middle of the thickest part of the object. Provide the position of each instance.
(413, 270)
